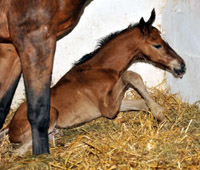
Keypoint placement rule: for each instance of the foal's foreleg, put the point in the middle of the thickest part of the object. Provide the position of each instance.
(135, 81)
(128, 105)
(114, 102)
(10, 71)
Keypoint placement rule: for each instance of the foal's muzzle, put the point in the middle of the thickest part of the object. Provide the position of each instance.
(180, 72)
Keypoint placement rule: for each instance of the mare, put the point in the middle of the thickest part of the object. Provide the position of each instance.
(96, 84)
(28, 33)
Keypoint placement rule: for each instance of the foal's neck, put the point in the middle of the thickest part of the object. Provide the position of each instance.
(119, 53)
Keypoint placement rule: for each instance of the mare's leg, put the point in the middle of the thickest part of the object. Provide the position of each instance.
(10, 71)
(33, 33)
(36, 54)
(135, 81)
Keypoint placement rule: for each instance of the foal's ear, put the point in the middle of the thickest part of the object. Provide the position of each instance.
(142, 22)
(143, 27)
(152, 18)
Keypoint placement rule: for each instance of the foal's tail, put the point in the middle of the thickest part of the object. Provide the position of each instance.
(3, 132)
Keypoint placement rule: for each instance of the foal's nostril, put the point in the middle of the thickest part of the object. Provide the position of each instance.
(183, 68)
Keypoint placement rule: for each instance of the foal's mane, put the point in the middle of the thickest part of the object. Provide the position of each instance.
(103, 42)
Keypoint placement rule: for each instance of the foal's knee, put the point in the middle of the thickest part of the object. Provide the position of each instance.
(132, 77)
(110, 114)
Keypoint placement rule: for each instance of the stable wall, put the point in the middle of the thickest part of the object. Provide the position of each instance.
(181, 28)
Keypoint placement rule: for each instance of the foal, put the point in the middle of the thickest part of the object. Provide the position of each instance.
(95, 86)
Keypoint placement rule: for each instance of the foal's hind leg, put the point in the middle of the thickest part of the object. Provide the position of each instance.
(10, 71)
(135, 81)
(19, 129)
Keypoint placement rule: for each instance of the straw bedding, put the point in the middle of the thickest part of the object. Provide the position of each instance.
(133, 140)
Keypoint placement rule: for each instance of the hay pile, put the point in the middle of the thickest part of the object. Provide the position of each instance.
(134, 140)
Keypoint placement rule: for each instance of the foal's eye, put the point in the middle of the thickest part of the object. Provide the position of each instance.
(157, 46)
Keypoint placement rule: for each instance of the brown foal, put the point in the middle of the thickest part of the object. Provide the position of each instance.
(95, 86)
(28, 33)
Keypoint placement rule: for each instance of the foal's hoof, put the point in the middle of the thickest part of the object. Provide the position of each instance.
(158, 113)
(20, 151)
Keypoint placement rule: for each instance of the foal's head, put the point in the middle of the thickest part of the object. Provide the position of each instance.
(155, 49)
